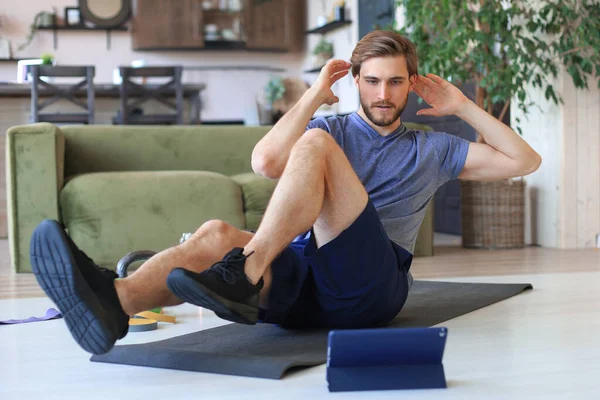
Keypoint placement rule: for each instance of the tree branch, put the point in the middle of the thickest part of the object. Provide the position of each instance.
(504, 109)
(568, 52)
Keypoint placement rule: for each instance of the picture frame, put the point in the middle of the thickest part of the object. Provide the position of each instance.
(73, 16)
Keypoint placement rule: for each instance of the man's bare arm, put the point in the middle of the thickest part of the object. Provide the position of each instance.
(505, 155)
(272, 152)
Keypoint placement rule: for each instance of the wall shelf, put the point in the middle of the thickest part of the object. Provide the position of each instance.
(81, 28)
(214, 11)
(328, 27)
(216, 45)
(224, 45)
(17, 59)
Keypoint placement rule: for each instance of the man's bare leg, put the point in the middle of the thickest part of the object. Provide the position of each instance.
(317, 189)
(95, 306)
(146, 287)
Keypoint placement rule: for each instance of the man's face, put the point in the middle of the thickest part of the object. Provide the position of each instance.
(383, 86)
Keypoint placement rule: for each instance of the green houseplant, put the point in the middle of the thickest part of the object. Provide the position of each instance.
(42, 18)
(504, 48)
(273, 91)
(47, 59)
(323, 51)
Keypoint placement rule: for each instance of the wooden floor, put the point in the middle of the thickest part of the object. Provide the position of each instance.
(450, 261)
(542, 343)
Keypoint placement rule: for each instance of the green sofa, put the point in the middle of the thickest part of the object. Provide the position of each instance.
(122, 188)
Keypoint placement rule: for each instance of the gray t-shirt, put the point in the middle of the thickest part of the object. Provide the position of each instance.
(401, 172)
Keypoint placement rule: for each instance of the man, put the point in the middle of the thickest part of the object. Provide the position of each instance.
(334, 246)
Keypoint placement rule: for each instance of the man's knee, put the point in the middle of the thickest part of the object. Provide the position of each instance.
(214, 227)
(316, 140)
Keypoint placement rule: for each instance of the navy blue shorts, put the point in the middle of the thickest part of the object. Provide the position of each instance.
(358, 280)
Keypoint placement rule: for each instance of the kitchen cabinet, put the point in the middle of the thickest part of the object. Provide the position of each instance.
(276, 24)
(257, 25)
(168, 24)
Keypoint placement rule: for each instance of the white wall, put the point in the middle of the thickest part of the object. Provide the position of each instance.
(565, 192)
(542, 130)
(580, 200)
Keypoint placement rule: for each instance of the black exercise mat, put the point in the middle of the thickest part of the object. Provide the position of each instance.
(267, 351)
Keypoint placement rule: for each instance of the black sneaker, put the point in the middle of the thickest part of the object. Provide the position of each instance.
(83, 292)
(223, 288)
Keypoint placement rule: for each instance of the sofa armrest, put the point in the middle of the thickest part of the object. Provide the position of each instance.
(34, 177)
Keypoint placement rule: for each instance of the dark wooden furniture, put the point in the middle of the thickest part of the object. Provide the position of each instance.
(133, 95)
(264, 25)
(165, 24)
(58, 93)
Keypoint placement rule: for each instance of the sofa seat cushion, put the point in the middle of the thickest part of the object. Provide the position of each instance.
(257, 191)
(110, 214)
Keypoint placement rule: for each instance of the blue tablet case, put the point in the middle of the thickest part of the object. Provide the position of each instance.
(386, 359)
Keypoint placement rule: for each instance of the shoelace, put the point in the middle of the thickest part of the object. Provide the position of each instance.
(221, 268)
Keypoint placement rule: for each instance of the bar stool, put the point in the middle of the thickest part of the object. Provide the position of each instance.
(57, 92)
(133, 95)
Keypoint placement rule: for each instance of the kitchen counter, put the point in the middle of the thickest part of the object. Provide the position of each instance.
(105, 90)
(13, 89)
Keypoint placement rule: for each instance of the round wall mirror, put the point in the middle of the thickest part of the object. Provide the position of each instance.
(105, 13)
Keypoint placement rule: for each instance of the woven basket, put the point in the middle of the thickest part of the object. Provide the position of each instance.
(493, 214)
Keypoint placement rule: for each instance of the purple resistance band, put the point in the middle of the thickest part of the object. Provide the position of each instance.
(50, 314)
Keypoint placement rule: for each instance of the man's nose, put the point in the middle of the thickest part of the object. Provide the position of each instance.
(384, 92)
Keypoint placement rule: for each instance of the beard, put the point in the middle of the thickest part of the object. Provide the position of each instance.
(386, 119)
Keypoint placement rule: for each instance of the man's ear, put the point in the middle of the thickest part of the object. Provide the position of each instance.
(356, 78)
(412, 80)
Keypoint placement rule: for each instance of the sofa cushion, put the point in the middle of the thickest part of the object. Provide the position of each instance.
(110, 214)
(256, 191)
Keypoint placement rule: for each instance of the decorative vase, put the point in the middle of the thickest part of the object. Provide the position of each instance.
(46, 19)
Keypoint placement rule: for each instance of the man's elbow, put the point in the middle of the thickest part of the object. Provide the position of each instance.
(533, 164)
(266, 166)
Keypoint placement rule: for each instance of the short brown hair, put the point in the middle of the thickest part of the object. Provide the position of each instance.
(381, 43)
